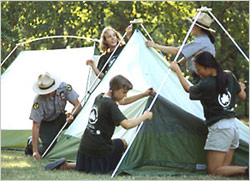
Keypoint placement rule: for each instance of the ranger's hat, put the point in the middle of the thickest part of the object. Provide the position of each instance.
(46, 84)
(204, 21)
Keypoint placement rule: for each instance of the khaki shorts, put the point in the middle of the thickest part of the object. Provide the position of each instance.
(223, 136)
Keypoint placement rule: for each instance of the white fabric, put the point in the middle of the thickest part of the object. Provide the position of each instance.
(145, 68)
(16, 83)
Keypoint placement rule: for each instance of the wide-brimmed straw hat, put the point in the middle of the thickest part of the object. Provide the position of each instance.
(46, 84)
(204, 21)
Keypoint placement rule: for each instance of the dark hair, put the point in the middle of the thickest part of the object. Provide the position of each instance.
(207, 60)
(120, 82)
(209, 34)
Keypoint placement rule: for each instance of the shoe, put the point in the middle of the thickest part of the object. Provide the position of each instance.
(28, 150)
(56, 164)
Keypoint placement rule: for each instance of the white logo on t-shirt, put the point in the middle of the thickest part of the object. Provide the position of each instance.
(224, 99)
(93, 117)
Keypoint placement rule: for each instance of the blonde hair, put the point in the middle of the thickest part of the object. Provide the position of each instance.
(103, 44)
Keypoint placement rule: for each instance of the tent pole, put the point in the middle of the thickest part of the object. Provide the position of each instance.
(88, 79)
(151, 105)
(149, 36)
(9, 55)
(229, 36)
(54, 139)
(97, 77)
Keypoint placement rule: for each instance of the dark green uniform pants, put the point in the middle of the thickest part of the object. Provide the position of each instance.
(49, 130)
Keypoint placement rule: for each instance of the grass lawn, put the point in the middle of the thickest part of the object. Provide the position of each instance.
(16, 166)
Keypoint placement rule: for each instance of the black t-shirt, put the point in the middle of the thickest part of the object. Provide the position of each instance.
(216, 106)
(104, 117)
(104, 58)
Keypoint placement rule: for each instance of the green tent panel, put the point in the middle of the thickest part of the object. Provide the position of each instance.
(172, 143)
(14, 138)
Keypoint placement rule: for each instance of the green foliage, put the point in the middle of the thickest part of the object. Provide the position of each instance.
(164, 20)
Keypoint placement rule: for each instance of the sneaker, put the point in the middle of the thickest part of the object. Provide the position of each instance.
(56, 164)
(28, 150)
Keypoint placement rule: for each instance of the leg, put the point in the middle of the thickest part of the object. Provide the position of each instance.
(48, 131)
(229, 157)
(218, 164)
(68, 166)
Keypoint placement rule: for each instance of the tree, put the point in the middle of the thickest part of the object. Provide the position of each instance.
(164, 20)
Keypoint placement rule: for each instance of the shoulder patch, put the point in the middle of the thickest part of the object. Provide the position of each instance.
(69, 87)
(36, 106)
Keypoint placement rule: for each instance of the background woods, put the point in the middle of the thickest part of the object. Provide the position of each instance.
(164, 20)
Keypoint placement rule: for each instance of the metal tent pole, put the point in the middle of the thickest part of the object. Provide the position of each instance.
(229, 36)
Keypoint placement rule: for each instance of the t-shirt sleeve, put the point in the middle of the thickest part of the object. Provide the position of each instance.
(197, 92)
(190, 49)
(116, 115)
(71, 94)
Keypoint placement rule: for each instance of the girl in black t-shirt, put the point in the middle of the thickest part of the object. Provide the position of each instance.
(217, 92)
(97, 152)
(109, 40)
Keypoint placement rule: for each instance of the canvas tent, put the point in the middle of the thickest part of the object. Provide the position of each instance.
(16, 87)
(176, 130)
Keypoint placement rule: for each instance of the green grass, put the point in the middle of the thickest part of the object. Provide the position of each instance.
(16, 166)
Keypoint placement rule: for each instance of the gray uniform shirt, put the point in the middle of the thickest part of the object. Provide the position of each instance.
(200, 43)
(49, 108)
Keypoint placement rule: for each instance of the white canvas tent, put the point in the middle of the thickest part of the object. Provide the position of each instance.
(145, 68)
(16, 86)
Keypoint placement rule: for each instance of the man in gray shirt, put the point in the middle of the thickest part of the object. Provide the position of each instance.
(48, 110)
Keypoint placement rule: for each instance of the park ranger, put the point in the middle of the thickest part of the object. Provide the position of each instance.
(48, 112)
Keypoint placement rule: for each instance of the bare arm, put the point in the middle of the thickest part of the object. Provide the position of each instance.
(128, 100)
(71, 116)
(129, 30)
(174, 66)
(242, 93)
(35, 135)
(94, 68)
(130, 123)
(167, 49)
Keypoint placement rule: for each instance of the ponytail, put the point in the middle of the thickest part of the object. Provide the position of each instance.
(221, 78)
(207, 60)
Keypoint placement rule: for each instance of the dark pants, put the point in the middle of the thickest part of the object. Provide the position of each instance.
(100, 165)
(48, 131)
